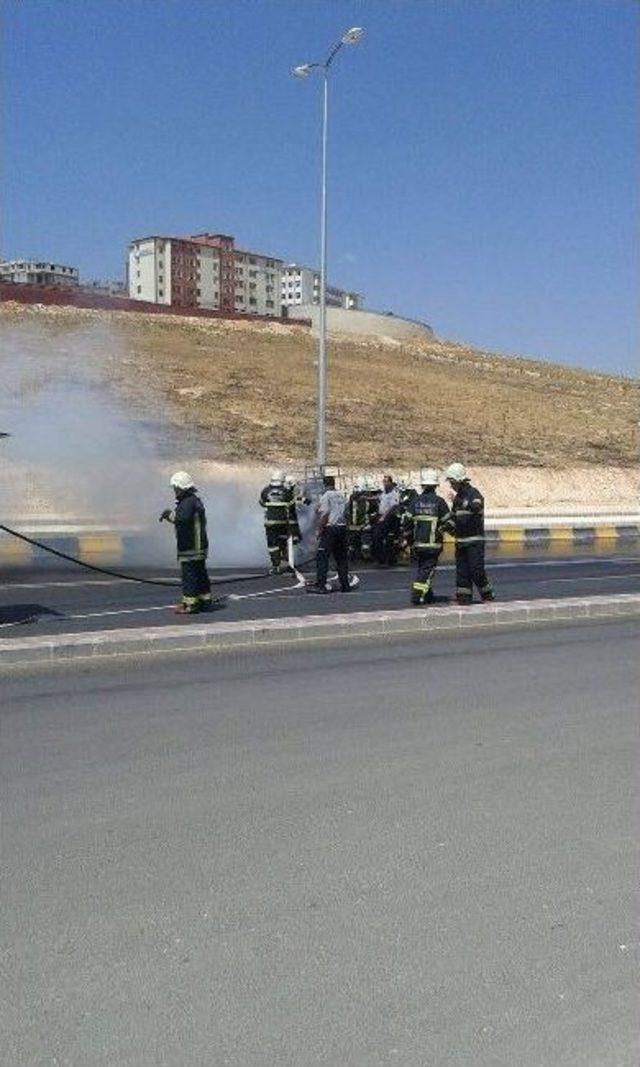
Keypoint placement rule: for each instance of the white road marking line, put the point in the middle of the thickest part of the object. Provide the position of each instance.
(120, 611)
(72, 583)
(491, 565)
(265, 592)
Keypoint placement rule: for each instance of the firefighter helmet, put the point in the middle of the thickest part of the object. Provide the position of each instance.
(182, 480)
(456, 472)
(429, 476)
(277, 478)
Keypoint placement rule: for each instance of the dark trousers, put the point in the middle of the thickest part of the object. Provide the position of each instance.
(470, 571)
(196, 587)
(384, 539)
(427, 560)
(277, 537)
(355, 542)
(333, 541)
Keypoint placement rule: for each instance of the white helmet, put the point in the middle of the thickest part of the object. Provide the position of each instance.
(289, 481)
(182, 480)
(277, 478)
(429, 476)
(456, 472)
(359, 485)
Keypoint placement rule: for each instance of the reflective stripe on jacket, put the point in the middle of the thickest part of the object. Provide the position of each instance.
(425, 519)
(467, 515)
(279, 505)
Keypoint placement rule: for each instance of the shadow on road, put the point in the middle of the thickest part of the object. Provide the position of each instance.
(23, 614)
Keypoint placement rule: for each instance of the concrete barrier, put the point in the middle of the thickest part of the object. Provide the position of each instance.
(362, 323)
(96, 545)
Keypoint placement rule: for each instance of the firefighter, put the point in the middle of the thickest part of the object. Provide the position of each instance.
(406, 493)
(280, 520)
(387, 528)
(424, 520)
(190, 521)
(372, 506)
(333, 539)
(297, 498)
(357, 517)
(466, 522)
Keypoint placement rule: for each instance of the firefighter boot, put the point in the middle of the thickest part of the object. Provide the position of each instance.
(464, 597)
(186, 609)
(421, 593)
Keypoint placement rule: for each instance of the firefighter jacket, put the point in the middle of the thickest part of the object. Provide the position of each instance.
(372, 500)
(279, 505)
(467, 515)
(425, 520)
(190, 520)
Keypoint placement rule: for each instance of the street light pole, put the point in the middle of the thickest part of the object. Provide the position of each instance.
(352, 36)
(322, 342)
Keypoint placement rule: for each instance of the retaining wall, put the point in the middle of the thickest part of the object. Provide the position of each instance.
(83, 298)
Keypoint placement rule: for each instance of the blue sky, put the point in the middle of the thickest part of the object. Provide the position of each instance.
(482, 152)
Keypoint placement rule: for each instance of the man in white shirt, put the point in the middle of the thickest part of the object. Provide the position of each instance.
(332, 537)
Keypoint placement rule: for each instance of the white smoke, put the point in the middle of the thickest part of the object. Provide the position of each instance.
(79, 455)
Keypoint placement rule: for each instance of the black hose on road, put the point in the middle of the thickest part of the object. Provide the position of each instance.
(119, 574)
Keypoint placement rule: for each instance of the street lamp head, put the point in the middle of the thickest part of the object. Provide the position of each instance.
(302, 71)
(353, 35)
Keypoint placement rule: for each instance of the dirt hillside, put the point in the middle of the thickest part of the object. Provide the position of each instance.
(249, 391)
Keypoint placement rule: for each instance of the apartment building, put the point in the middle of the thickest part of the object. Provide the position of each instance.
(301, 285)
(204, 270)
(34, 272)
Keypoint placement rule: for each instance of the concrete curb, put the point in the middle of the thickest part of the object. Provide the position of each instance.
(217, 637)
(108, 547)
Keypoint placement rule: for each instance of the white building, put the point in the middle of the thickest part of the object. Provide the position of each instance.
(205, 270)
(33, 272)
(301, 285)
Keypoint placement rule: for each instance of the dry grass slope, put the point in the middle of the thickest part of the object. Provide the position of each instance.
(250, 389)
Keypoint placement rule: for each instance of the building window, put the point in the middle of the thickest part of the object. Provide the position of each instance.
(252, 300)
(252, 259)
(160, 279)
(160, 292)
(139, 289)
(269, 303)
(198, 292)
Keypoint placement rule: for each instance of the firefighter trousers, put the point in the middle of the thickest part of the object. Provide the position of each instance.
(470, 571)
(427, 561)
(277, 537)
(334, 542)
(196, 587)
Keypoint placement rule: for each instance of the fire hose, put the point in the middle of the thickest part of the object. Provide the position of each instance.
(119, 574)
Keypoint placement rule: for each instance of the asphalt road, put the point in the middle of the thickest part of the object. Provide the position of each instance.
(390, 853)
(42, 600)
